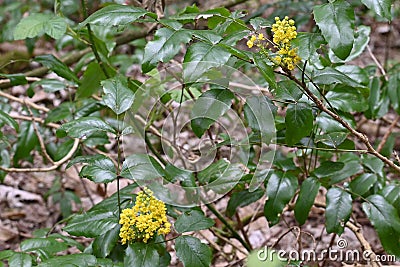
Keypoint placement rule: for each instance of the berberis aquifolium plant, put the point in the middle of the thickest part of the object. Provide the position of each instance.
(196, 113)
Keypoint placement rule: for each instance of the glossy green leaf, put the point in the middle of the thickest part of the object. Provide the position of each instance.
(86, 126)
(288, 90)
(328, 169)
(380, 7)
(307, 44)
(5, 118)
(57, 66)
(100, 170)
(362, 183)
(362, 37)
(386, 221)
(393, 92)
(118, 97)
(27, 141)
(224, 181)
(336, 21)
(192, 252)
(140, 167)
(39, 24)
(392, 194)
(166, 44)
(116, 15)
(280, 190)
(103, 244)
(299, 122)
(200, 58)
(192, 220)
(330, 75)
(308, 191)
(19, 259)
(141, 255)
(242, 199)
(92, 224)
(347, 99)
(81, 260)
(208, 108)
(43, 246)
(259, 113)
(373, 163)
(333, 139)
(338, 210)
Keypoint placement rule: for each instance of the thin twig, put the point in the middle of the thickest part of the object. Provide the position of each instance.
(47, 169)
(387, 134)
(39, 136)
(23, 101)
(29, 79)
(376, 61)
(36, 119)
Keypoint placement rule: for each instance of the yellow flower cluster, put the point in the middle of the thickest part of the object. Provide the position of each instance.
(284, 32)
(255, 40)
(146, 219)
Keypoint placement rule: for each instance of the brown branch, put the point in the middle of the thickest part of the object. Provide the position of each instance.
(23, 101)
(47, 169)
(39, 120)
(358, 233)
(378, 64)
(362, 137)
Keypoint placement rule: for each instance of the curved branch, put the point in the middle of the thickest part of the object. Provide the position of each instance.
(47, 169)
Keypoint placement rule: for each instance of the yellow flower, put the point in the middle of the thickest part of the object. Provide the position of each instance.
(250, 44)
(146, 219)
(261, 37)
(284, 32)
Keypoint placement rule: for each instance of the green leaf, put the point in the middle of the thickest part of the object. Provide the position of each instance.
(362, 183)
(100, 171)
(116, 15)
(288, 90)
(299, 122)
(104, 244)
(380, 7)
(331, 76)
(90, 82)
(241, 199)
(308, 192)
(38, 24)
(280, 190)
(57, 66)
(43, 246)
(92, 224)
(81, 260)
(338, 210)
(200, 58)
(266, 71)
(192, 220)
(192, 252)
(118, 97)
(166, 44)
(259, 113)
(385, 219)
(19, 259)
(393, 93)
(336, 21)
(4, 117)
(347, 99)
(62, 112)
(27, 141)
(15, 79)
(86, 126)
(333, 139)
(307, 44)
(392, 194)
(141, 255)
(140, 167)
(208, 108)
